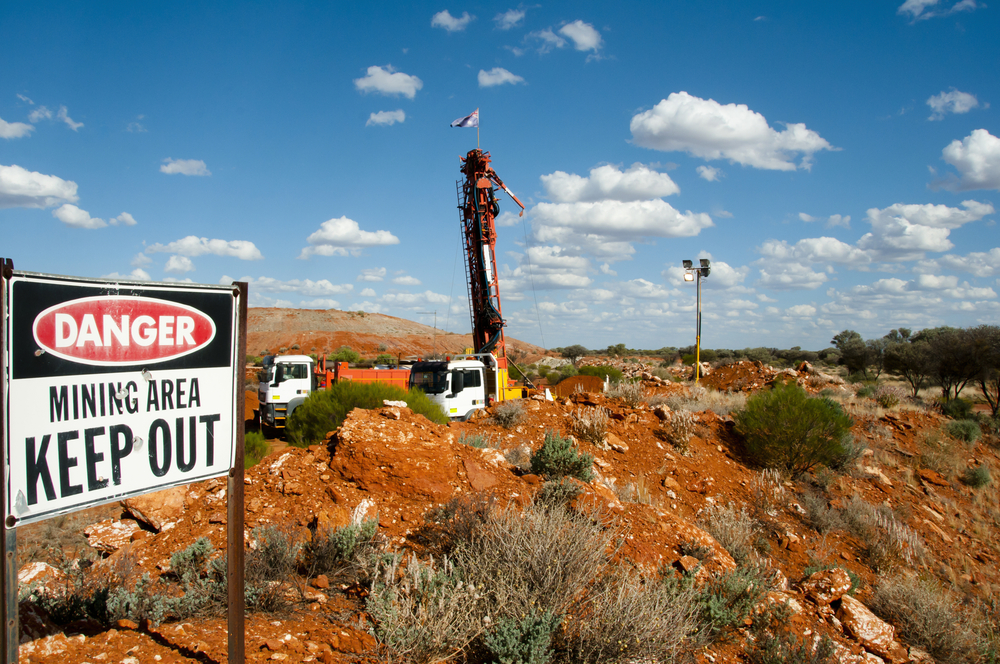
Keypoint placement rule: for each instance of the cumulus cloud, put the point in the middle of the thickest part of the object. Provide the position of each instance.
(387, 81)
(140, 260)
(790, 276)
(137, 274)
(545, 267)
(977, 160)
(184, 167)
(372, 274)
(194, 246)
(813, 250)
(320, 303)
(386, 118)
(831, 221)
(308, 287)
(406, 281)
(444, 19)
(801, 311)
(414, 300)
(63, 115)
(507, 218)
(497, 76)
(583, 35)
(707, 129)
(368, 292)
(905, 232)
(920, 10)
(124, 219)
(630, 221)
(549, 39)
(709, 173)
(23, 188)
(723, 276)
(73, 216)
(509, 19)
(343, 236)
(951, 102)
(179, 265)
(607, 182)
(10, 130)
(39, 114)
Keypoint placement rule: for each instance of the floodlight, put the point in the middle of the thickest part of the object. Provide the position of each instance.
(688, 276)
(687, 265)
(704, 262)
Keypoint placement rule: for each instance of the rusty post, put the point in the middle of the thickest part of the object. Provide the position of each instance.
(8, 555)
(234, 494)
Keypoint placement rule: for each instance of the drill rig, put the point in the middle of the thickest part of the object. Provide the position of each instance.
(479, 208)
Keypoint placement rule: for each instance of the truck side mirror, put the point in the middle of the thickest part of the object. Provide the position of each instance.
(457, 381)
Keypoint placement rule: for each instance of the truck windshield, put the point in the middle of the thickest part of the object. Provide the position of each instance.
(431, 382)
(288, 371)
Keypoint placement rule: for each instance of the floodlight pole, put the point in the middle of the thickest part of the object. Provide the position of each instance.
(697, 342)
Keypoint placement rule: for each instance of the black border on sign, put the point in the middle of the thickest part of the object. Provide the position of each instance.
(136, 288)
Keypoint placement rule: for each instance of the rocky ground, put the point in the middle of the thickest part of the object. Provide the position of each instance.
(395, 466)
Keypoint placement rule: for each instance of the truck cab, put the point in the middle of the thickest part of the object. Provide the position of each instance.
(458, 386)
(285, 382)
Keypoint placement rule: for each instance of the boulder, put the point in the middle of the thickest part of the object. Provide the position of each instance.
(159, 508)
(874, 634)
(826, 586)
(111, 535)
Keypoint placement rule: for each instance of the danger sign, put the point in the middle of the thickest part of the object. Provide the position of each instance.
(114, 389)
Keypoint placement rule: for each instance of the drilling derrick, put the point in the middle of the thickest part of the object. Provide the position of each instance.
(479, 208)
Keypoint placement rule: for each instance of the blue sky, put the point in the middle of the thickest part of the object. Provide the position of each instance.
(838, 162)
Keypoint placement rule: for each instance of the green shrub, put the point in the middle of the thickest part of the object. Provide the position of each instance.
(526, 640)
(977, 477)
(957, 409)
(477, 440)
(508, 414)
(555, 493)
(255, 360)
(565, 371)
(786, 428)
(384, 358)
(967, 431)
(558, 457)
(727, 600)
(325, 410)
(254, 448)
(784, 648)
(344, 354)
(335, 550)
(603, 372)
(140, 603)
(888, 396)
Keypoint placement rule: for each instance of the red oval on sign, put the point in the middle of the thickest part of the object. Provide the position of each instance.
(119, 330)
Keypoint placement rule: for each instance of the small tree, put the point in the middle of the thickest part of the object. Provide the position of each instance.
(345, 354)
(574, 352)
(910, 359)
(786, 428)
(853, 351)
(988, 377)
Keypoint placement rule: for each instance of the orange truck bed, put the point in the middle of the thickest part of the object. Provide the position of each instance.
(398, 377)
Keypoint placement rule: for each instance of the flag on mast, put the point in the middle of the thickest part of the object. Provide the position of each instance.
(470, 120)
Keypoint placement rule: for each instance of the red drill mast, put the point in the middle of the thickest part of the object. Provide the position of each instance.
(479, 208)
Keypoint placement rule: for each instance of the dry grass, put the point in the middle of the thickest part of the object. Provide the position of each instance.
(591, 424)
(733, 528)
(678, 429)
(887, 542)
(631, 392)
(508, 414)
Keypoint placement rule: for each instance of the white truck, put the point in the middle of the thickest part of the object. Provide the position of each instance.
(285, 382)
(463, 385)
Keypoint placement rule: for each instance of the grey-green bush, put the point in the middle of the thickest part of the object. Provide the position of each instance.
(558, 457)
(967, 431)
(526, 640)
(335, 550)
(786, 428)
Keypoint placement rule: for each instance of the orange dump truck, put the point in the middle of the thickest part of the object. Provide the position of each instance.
(400, 377)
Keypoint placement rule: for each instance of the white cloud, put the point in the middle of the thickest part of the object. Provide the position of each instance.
(200, 246)
(801, 310)
(258, 300)
(920, 10)
(497, 76)
(338, 237)
(934, 216)
(643, 289)
(951, 102)
(414, 300)
(839, 220)
(370, 307)
(179, 265)
(368, 292)
(583, 35)
(23, 188)
(10, 130)
(124, 219)
(372, 274)
(406, 281)
(905, 232)
(388, 81)
(629, 221)
(39, 114)
(977, 159)
(71, 215)
(140, 260)
(607, 182)
(722, 277)
(790, 276)
(184, 167)
(709, 173)
(137, 274)
(549, 40)
(509, 19)
(136, 127)
(63, 115)
(710, 130)
(308, 287)
(444, 19)
(808, 218)
(507, 218)
(606, 269)
(979, 263)
(26, 100)
(813, 250)
(320, 303)
(386, 118)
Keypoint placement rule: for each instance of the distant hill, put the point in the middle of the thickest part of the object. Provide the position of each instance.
(324, 331)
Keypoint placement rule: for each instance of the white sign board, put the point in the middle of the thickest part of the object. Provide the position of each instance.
(114, 390)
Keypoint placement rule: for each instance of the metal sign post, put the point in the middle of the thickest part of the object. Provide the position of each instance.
(110, 390)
